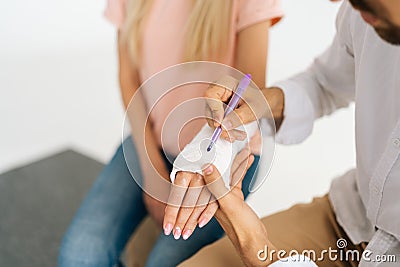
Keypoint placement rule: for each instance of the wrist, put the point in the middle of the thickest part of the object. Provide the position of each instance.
(276, 99)
(247, 233)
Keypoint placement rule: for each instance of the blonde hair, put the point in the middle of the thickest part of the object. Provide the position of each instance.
(206, 32)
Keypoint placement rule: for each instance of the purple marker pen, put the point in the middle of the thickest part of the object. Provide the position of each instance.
(244, 83)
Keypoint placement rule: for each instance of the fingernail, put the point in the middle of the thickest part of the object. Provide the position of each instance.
(168, 229)
(227, 125)
(177, 233)
(208, 170)
(202, 223)
(186, 234)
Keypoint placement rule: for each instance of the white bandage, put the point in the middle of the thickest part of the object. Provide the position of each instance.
(194, 156)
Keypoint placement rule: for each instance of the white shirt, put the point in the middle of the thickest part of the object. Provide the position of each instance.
(359, 66)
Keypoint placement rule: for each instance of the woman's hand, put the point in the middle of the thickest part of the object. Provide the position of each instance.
(191, 202)
(189, 205)
(255, 104)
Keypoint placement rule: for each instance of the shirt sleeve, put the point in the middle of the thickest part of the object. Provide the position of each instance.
(195, 156)
(115, 12)
(294, 261)
(327, 85)
(254, 11)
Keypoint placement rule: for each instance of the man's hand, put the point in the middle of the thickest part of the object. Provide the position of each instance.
(239, 221)
(255, 104)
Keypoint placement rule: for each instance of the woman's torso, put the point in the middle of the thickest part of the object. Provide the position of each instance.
(163, 45)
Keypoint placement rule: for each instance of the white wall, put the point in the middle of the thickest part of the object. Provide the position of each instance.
(58, 89)
(57, 80)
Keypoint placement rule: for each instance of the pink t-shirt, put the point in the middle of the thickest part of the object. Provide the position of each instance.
(163, 46)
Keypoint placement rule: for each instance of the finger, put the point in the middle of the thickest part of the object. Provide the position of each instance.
(209, 212)
(189, 203)
(175, 199)
(214, 181)
(242, 156)
(217, 94)
(201, 205)
(216, 108)
(238, 175)
(217, 187)
(231, 136)
(235, 135)
(225, 135)
(209, 118)
(239, 116)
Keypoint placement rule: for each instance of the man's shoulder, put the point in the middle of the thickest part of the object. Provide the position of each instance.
(349, 24)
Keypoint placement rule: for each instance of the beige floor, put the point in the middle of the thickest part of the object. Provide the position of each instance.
(141, 243)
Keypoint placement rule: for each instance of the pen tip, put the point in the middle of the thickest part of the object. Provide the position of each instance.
(248, 76)
(209, 148)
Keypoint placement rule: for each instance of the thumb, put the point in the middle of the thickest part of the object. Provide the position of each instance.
(214, 181)
(217, 94)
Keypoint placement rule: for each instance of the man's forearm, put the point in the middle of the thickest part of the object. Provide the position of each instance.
(246, 231)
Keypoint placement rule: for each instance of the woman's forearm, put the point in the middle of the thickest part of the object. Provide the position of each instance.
(252, 51)
(151, 161)
(150, 158)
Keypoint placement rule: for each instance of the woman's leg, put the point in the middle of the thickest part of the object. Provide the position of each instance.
(170, 252)
(107, 217)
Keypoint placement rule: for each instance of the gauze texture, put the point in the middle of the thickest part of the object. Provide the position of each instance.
(194, 156)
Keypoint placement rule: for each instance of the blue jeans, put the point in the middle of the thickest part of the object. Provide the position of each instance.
(113, 209)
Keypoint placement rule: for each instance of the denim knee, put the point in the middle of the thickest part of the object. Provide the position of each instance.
(86, 250)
